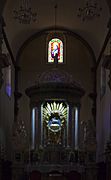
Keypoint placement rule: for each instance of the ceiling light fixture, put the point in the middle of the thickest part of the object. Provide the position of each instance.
(90, 10)
(24, 14)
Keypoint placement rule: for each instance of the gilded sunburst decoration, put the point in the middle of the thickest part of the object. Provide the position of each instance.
(55, 115)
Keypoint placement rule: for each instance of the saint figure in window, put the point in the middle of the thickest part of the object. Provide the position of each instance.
(55, 51)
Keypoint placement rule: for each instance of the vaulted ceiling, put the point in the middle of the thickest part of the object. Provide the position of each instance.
(93, 31)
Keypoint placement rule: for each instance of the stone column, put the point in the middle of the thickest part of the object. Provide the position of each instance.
(69, 128)
(72, 116)
(38, 132)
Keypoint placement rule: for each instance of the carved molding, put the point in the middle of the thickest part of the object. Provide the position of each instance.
(108, 151)
(1, 79)
(107, 65)
(93, 96)
(17, 96)
(4, 62)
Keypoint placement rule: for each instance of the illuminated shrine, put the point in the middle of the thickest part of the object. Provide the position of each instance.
(55, 103)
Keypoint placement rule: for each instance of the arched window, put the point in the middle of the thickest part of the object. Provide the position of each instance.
(55, 51)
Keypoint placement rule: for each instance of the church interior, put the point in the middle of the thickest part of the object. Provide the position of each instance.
(55, 90)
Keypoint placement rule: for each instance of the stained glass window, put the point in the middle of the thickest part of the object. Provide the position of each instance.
(55, 51)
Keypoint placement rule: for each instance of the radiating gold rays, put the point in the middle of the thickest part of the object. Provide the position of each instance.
(55, 108)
